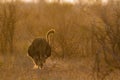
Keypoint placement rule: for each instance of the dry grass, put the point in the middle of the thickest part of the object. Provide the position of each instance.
(20, 67)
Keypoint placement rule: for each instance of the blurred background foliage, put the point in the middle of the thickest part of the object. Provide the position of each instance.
(82, 31)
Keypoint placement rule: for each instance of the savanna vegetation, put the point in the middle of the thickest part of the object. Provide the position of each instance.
(85, 46)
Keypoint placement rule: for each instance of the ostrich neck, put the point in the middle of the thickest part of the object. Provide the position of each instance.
(48, 35)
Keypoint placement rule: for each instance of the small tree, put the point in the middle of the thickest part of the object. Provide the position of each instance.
(7, 21)
(108, 39)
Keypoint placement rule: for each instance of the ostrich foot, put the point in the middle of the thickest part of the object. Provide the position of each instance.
(35, 67)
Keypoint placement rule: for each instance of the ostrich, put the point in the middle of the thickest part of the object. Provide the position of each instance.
(40, 49)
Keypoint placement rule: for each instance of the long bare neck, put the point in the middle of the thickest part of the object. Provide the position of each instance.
(48, 35)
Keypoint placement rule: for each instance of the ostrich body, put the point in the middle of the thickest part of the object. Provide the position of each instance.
(40, 49)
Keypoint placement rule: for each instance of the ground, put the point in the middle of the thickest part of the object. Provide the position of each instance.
(20, 67)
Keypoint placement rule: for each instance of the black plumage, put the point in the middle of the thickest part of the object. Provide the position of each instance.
(40, 50)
